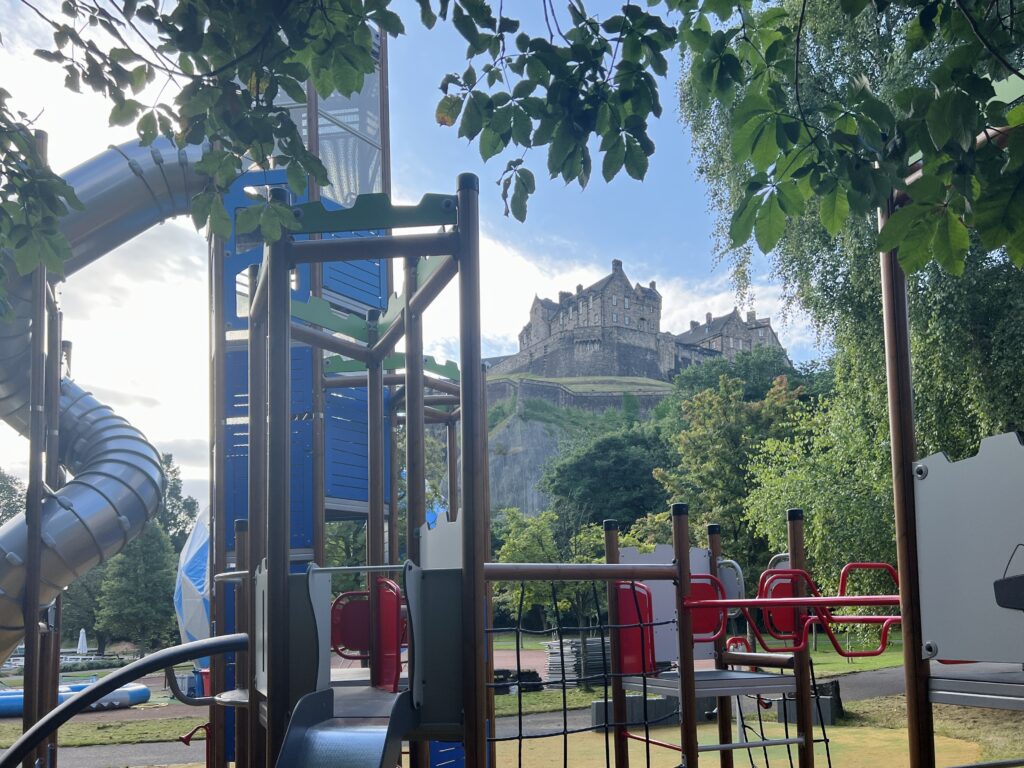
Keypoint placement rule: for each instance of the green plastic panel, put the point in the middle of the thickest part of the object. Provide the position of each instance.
(318, 312)
(447, 370)
(375, 211)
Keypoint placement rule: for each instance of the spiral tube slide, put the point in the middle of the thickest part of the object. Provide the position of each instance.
(117, 480)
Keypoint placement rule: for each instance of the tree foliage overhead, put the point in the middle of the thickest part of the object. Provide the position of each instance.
(581, 87)
(178, 513)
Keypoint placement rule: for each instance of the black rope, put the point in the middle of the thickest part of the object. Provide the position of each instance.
(561, 653)
(643, 674)
(760, 725)
(743, 728)
(607, 669)
(821, 717)
(519, 670)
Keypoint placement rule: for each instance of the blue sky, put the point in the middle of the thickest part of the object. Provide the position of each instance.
(150, 296)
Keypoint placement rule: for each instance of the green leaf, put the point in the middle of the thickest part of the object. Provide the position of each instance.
(472, 116)
(899, 226)
(741, 227)
(951, 243)
(220, 222)
(491, 143)
(636, 161)
(125, 113)
(247, 219)
(201, 205)
(296, 178)
(770, 223)
(953, 115)
(853, 7)
(613, 159)
(835, 208)
(448, 109)
(147, 128)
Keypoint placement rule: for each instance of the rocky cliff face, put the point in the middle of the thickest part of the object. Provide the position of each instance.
(519, 451)
(531, 419)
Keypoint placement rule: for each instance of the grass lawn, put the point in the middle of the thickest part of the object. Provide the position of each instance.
(83, 733)
(506, 641)
(546, 701)
(851, 747)
(828, 663)
(997, 732)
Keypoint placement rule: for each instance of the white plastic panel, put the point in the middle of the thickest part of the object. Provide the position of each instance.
(970, 523)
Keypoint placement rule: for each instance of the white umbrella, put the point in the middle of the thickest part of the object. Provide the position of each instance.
(83, 646)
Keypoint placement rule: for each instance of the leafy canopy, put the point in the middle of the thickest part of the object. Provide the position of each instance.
(579, 84)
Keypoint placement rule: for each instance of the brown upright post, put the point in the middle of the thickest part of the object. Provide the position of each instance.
(243, 623)
(415, 479)
(618, 713)
(218, 507)
(278, 510)
(394, 535)
(896, 328)
(375, 461)
(34, 497)
(257, 507)
(724, 702)
(687, 684)
(316, 288)
(451, 429)
(475, 504)
(54, 479)
(801, 659)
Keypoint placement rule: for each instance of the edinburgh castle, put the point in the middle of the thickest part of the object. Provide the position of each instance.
(613, 328)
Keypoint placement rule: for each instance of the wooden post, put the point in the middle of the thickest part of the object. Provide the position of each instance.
(724, 707)
(687, 684)
(242, 624)
(801, 659)
(896, 328)
(618, 713)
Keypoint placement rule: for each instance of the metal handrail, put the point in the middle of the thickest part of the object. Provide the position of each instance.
(155, 662)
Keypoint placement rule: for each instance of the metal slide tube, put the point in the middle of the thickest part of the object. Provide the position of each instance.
(118, 482)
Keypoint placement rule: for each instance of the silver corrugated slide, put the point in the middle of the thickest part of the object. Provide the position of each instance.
(117, 483)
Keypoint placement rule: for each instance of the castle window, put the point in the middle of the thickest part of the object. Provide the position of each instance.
(591, 300)
(625, 302)
(627, 319)
(760, 332)
(615, 301)
(732, 343)
(615, 317)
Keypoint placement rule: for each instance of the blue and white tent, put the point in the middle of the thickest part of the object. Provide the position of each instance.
(192, 584)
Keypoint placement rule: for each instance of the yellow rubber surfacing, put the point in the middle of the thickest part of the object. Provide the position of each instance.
(851, 747)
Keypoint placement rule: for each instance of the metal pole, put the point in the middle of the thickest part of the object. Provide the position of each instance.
(415, 476)
(618, 713)
(34, 498)
(801, 659)
(375, 506)
(218, 506)
(896, 328)
(687, 684)
(257, 506)
(243, 623)
(475, 504)
(724, 708)
(278, 501)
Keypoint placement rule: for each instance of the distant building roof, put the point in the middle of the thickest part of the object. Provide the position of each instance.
(712, 327)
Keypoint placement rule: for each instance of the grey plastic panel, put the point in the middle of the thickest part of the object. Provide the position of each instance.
(118, 482)
(435, 674)
(970, 521)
